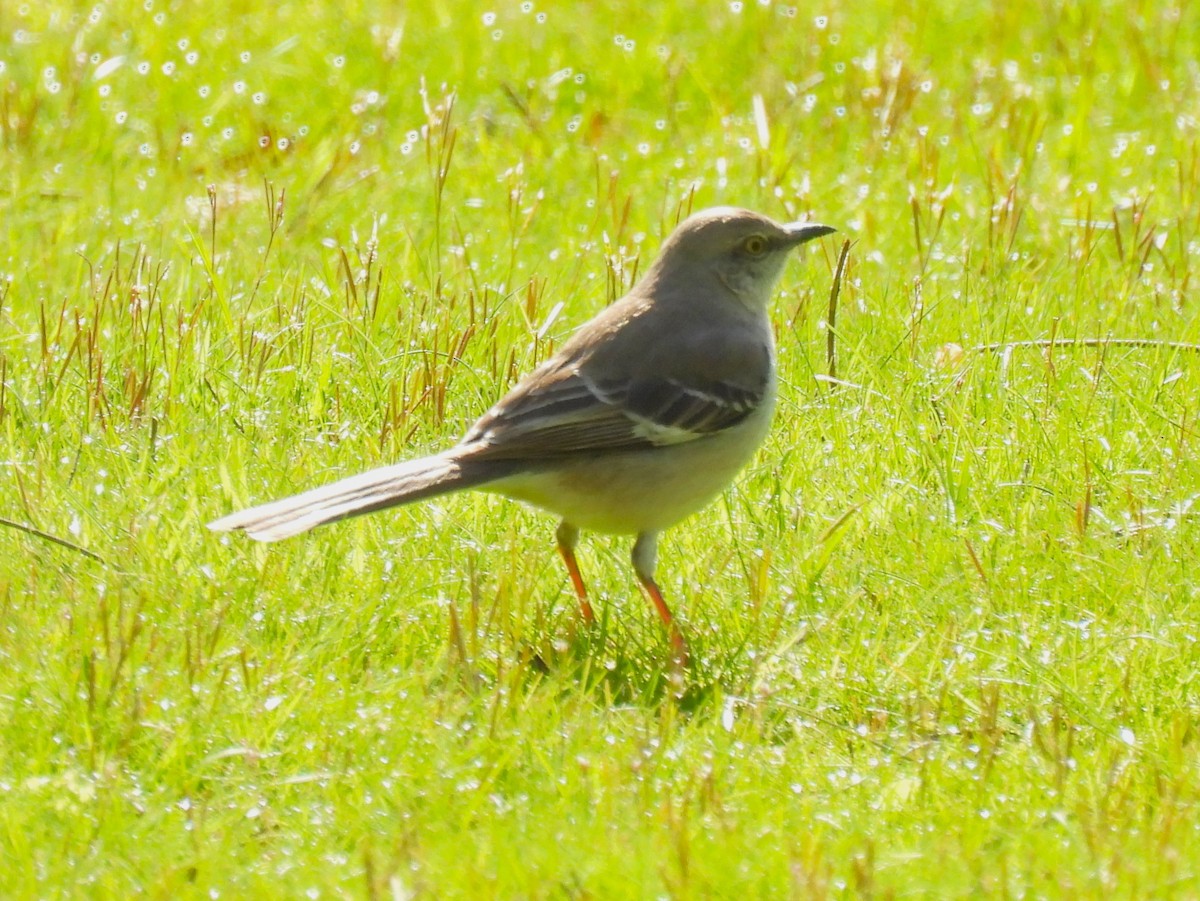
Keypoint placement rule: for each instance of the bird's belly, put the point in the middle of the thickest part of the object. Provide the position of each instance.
(640, 491)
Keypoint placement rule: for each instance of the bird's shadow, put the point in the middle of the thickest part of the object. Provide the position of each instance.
(617, 668)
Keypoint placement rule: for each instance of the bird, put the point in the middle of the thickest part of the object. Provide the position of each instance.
(642, 417)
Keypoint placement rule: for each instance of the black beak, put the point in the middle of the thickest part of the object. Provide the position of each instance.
(803, 232)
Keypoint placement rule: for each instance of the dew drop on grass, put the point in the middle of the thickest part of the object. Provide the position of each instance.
(104, 69)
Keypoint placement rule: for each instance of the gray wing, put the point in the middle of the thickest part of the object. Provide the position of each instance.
(559, 412)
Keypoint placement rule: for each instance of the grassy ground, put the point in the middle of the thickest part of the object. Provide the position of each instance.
(944, 628)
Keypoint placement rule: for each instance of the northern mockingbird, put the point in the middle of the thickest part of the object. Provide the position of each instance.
(643, 416)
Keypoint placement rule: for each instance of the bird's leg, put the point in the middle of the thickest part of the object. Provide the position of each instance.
(568, 537)
(645, 555)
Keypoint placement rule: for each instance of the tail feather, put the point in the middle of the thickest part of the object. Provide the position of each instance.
(388, 486)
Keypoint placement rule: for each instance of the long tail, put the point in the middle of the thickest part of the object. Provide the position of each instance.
(388, 486)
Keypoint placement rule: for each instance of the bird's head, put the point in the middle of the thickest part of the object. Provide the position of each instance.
(741, 251)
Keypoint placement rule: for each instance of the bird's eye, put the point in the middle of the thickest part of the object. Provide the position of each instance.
(755, 245)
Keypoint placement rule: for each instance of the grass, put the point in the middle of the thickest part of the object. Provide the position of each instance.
(944, 628)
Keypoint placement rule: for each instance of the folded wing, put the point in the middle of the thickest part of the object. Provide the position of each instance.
(567, 412)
